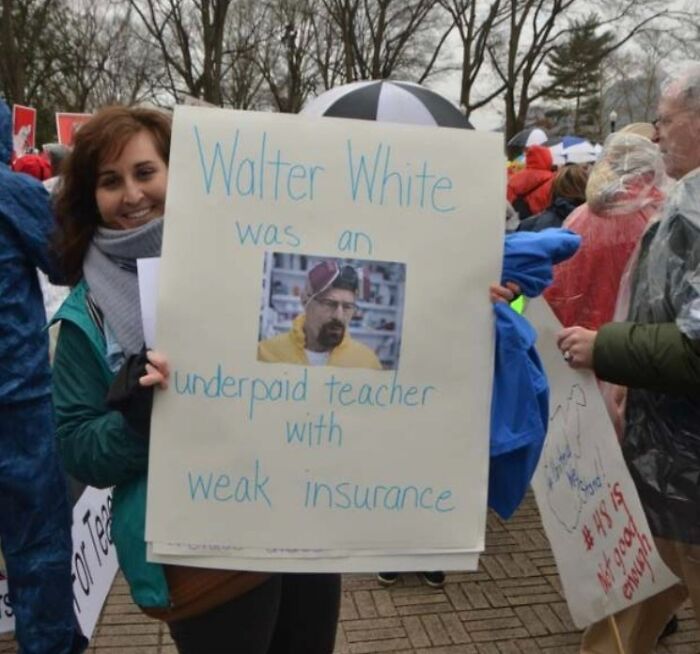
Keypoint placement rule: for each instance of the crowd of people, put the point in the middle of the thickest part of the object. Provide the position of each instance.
(629, 301)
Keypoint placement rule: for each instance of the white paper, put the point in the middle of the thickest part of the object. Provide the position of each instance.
(148, 296)
(222, 466)
(605, 553)
(353, 563)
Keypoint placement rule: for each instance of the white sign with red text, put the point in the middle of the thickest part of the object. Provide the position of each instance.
(94, 562)
(605, 552)
(7, 620)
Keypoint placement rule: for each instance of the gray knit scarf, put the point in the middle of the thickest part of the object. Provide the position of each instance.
(110, 272)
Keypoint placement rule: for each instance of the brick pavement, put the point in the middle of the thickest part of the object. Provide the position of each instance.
(512, 605)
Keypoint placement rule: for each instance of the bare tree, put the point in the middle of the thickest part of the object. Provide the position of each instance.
(632, 79)
(327, 50)
(286, 59)
(474, 22)
(381, 38)
(246, 34)
(25, 67)
(522, 45)
(189, 35)
(102, 60)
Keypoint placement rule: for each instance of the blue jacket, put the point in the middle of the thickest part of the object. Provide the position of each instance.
(26, 221)
(520, 400)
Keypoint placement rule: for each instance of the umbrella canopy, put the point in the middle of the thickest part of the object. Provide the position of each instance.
(565, 141)
(558, 156)
(391, 101)
(528, 137)
(570, 141)
(583, 152)
(573, 149)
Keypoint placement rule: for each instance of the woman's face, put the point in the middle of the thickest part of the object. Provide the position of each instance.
(130, 189)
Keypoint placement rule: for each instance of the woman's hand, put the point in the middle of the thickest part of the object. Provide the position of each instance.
(506, 293)
(576, 345)
(157, 370)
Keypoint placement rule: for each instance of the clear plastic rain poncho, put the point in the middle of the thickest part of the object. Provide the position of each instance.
(625, 192)
(662, 427)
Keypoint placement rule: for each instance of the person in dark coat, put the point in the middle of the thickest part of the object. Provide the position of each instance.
(35, 514)
(568, 192)
(656, 354)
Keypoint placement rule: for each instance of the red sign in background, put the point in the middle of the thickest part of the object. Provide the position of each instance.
(67, 125)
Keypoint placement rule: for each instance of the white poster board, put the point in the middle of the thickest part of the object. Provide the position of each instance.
(7, 617)
(399, 463)
(148, 270)
(605, 553)
(93, 565)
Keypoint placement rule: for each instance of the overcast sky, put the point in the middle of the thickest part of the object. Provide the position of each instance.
(490, 117)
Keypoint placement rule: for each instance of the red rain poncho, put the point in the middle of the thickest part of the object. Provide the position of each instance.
(624, 194)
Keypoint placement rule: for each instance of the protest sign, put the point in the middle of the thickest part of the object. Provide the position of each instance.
(269, 457)
(94, 561)
(67, 124)
(605, 553)
(23, 129)
(7, 620)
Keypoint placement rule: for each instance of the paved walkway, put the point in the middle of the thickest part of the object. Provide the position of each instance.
(512, 605)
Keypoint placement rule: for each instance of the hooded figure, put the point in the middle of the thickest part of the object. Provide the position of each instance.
(530, 190)
(35, 515)
(34, 165)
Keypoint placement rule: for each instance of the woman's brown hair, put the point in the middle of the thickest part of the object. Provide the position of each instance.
(570, 183)
(102, 138)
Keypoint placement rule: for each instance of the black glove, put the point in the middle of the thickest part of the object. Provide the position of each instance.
(131, 399)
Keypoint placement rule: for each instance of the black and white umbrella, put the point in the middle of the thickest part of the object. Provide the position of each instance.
(383, 100)
(527, 137)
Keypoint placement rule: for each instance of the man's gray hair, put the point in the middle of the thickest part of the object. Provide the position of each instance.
(684, 85)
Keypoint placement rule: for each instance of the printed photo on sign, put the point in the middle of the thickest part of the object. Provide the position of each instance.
(326, 311)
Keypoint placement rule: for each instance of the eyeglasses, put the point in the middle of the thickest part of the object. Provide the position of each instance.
(665, 121)
(332, 306)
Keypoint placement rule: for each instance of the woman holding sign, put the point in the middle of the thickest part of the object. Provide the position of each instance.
(110, 208)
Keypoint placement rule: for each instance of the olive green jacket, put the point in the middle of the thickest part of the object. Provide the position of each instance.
(658, 357)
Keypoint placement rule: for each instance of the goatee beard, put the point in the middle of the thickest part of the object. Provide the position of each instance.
(331, 334)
